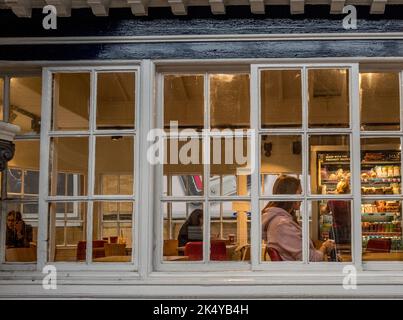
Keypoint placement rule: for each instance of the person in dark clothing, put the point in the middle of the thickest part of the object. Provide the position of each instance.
(195, 219)
(18, 235)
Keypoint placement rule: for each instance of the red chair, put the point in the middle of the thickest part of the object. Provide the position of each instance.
(218, 250)
(273, 254)
(379, 245)
(97, 252)
(194, 250)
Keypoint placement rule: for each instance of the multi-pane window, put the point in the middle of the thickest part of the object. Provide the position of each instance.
(92, 166)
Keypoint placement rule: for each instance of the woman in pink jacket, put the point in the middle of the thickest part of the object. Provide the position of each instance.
(280, 227)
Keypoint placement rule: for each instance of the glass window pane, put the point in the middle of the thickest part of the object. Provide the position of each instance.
(281, 223)
(1, 98)
(184, 101)
(381, 222)
(281, 98)
(280, 155)
(71, 101)
(25, 103)
(380, 166)
(21, 234)
(182, 231)
(68, 155)
(380, 101)
(115, 100)
(329, 98)
(230, 231)
(330, 219)
(183, 167)
(230, 101)
(114, 159)
(112, 232)
(329, 164)
(67, 231)
(31, 182)
(14, 181)
(230, 160)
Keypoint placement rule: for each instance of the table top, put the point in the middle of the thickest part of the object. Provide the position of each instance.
(113, 259)
(176, 258)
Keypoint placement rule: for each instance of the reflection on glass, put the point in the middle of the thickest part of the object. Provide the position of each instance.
(21, 232)
(71, 101)
(69, 157)
(112, 232)
(230, 231)
(329, 98)
(183, 231)
(329, 163)
(281, 98)
(184, 101)
(67, 231)
(230, 101)
(115, 100)
(183, 167)
(1, 98)
(230, 160)
(114, 165)
(25, 103)
(380, 101)
(280, 155)
(281, 223)
(380, 166)
(381, 222)
(331, 219)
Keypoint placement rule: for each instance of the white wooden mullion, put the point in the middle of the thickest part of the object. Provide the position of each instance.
(91, 166)
(401, 100)
(206, 170)
(305, 166)
(43, 208)
(355, 163)
(256, 232)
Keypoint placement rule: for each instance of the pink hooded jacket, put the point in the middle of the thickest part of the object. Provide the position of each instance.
(282, 233)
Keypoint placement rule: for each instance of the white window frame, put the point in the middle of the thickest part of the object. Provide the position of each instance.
(92, 132)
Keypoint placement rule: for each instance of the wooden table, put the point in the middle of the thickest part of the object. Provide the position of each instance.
(382, 256)
(113, 259)
(176, 258)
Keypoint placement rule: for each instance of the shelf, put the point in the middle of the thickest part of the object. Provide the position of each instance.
(380, 213)
(375, 233)
(380, 162)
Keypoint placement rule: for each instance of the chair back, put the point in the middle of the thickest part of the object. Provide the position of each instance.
(273, 254)
(170, 247)
(379, 245)
(114, 249)
(194, 250)
(218, 250)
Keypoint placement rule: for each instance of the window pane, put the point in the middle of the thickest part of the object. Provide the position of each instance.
(330, 219)
(381, 230)
(183, 231)
(21, 233)
(115, 100)
(25, 103)
(380, 166)
(280, 155)
(183, 168)
(23, 173)
(112, 232)
(67, 231)
(230, 160)
(281, 223)
(71, 101)
(230, 230)
(69, 155)
(114, 165)
(330, 164)
(184, 100)
(1, 98)
(230, 101)
(281, 98)
(380, 101)
(329, 98)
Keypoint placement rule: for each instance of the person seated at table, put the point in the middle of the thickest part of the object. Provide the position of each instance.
(280, 227)
(195, 219)
(18, 234)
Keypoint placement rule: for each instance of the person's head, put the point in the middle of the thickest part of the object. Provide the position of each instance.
(11, 219)
(196, 218)
(286, 185)
(343, 187)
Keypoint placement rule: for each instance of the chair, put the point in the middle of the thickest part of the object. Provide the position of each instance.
(98, 250)
(218, 250)
(273, 254)
(379, 245)
(114, 249)
(194, 250)
(170, 247)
